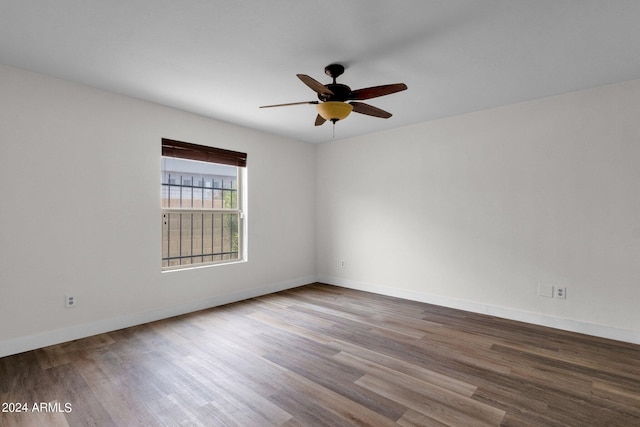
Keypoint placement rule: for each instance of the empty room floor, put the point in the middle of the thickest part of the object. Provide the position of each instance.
(323, 355)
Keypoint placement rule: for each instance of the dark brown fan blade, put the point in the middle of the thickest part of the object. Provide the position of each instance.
(319, 120)
(314, 84)
(290, 103)
(375, 91)
(369, 110)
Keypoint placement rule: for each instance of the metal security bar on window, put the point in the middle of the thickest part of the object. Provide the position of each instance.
(200, 219)
(196, 236)
(202, 204)
(199, 193)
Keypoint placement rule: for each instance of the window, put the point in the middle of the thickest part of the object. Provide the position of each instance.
(202, 205)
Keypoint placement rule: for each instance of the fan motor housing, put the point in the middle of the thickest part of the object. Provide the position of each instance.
(340, 93)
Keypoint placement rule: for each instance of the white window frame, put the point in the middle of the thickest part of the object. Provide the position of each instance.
(239, 210)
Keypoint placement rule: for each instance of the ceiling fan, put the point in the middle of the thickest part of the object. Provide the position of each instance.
(333, 106)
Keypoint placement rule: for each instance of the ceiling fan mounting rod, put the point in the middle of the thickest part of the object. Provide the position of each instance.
(334, 71)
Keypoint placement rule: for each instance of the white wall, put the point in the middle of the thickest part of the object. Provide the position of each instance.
(475, 211)
(68, 150)
(471, 211)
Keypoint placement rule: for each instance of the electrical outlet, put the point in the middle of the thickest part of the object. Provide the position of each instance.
(560, 292)
(342, 263)
(70, 301)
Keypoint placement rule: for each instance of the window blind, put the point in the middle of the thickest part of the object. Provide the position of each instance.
(203, 153)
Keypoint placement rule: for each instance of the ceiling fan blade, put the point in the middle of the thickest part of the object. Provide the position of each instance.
(375, 91)
(314, 84)
(319, 120)
(290, 103)
(369, 110)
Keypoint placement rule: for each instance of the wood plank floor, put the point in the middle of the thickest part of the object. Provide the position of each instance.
(321, 355)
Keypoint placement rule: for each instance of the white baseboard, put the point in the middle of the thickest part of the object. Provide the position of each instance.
(57, 336)
(601, 331)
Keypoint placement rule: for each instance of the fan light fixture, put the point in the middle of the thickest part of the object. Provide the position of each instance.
(334, 110)
(334, 98)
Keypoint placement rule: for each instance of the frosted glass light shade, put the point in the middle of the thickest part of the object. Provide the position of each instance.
(334, 110)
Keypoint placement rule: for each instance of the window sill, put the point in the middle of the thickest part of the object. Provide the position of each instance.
(200, 266)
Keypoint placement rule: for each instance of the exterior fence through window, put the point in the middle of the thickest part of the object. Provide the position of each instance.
(200, 219)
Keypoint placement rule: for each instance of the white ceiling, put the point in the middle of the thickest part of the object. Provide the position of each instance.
(223, 59)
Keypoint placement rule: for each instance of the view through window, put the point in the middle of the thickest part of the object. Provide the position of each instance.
(201, 210)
